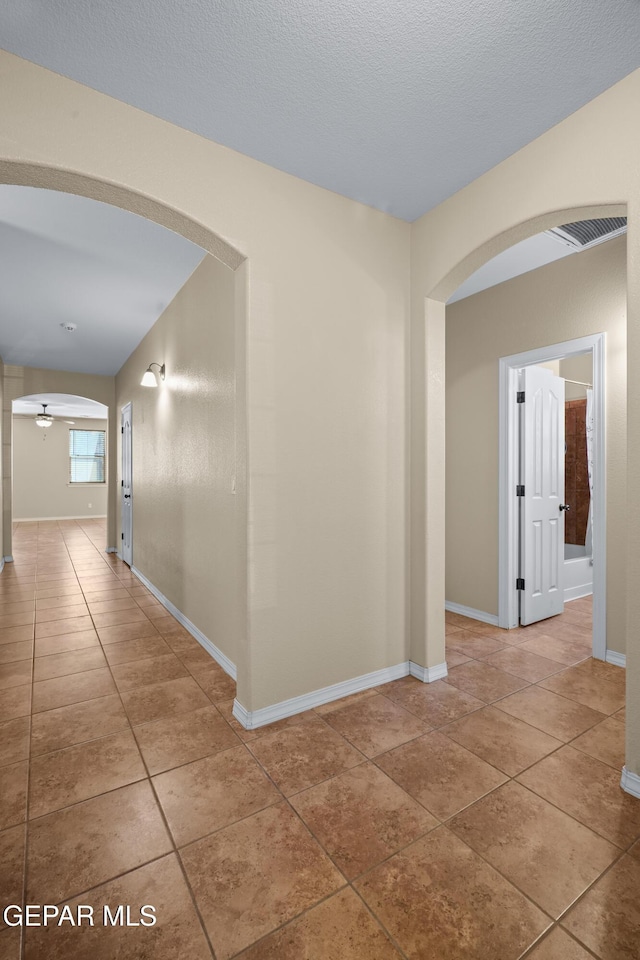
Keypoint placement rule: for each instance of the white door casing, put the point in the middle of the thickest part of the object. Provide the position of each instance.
(508, 535)
(542, 505)
(126, 487)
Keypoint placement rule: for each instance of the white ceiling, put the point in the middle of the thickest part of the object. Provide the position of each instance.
(398, 105)
(60, 405)
(520, 258)
(68, 259)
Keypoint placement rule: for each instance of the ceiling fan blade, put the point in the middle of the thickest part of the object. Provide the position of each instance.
(69, 421)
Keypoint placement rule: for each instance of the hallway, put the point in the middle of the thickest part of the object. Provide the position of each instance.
(468, 818)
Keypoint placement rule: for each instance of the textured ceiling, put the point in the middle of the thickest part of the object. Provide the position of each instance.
(69, 259)
(397, 105)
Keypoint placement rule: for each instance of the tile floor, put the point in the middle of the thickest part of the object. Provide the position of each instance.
(477, 818)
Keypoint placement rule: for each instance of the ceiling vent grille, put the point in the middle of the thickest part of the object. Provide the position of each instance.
(587, 233)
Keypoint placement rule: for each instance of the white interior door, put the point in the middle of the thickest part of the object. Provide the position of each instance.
(126, 486)
(542, 507)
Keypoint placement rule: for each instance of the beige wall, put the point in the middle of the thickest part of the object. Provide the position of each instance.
(574, 297)
(581, 368)
(187, 532)
(552, 365)
(41, 488)
(25, 381)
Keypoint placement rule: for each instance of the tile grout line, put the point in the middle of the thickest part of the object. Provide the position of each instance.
(347, 883)
(558, 923)
(440, 823)
(373, 761)
(545, 936)
(158, 806)
(28, 785)
(27, 825)
(555, 922)
(25, 880)
(557, 749)
(511, 882)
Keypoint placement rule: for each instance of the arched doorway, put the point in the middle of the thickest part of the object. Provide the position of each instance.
(429, 477)
(25, 381)
(428, 441)
(59, 453)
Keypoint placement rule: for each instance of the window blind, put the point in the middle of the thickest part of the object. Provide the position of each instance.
(86, 456)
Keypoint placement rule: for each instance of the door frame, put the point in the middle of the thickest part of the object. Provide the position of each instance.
(120, 486)
(508, 477)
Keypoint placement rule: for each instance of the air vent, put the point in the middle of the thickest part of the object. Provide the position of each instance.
(587, 233)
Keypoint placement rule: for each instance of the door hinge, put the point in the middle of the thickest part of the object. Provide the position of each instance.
(122, 483)
(122, 536)
(520, 490)
(121, 429)
(520, 396)
(519, 584)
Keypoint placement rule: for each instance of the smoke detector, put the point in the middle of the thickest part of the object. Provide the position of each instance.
(69, 327)
(587, 233)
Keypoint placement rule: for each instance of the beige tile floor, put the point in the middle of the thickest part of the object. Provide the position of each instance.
(477, 818)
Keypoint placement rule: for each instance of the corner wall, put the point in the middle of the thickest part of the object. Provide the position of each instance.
(187, 526)
(573, 297)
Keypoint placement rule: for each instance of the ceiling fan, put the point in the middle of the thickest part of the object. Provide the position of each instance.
(45, 419)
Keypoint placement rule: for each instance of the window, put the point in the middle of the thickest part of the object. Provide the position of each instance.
(86, 456)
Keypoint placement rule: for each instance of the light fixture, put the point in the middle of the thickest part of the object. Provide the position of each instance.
(44, 419)
(149, 377)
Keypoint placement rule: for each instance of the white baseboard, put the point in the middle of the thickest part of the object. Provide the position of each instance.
(88, 516)
(577, 593)
(428, 674)
(246, 717)
(480, 615)
(210, 647)
(252, 719)
(111, 550)
(617, 659)
(630, 782)
(8, 559)
(1, 564)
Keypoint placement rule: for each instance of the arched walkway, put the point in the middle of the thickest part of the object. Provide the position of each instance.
(47, 484)
(23, 381)
(428, 545)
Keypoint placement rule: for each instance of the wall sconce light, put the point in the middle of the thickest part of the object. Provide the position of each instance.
(149, 377)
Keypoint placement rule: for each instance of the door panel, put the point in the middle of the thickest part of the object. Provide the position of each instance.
(126, 487)
(542, 474)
